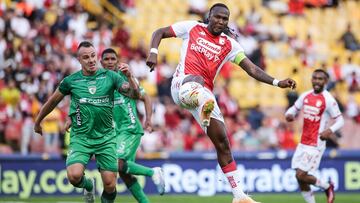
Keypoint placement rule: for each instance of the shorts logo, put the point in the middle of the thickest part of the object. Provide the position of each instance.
(92, 89)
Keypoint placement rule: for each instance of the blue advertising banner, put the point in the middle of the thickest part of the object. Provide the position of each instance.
(191, 173)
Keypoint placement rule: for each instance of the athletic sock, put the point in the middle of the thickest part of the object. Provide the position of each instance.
(108, 197)
(85, 183)
(138, 193)
(322, 184)
(137, 169)
(233, 176)
(308, 196)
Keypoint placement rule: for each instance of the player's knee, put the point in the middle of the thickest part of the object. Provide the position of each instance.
(300, 175)
(74, 176)
(109, 184)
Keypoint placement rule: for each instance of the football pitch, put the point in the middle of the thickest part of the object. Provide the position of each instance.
(264, 198)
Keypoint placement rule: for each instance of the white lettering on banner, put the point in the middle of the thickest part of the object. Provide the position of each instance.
(206, 183)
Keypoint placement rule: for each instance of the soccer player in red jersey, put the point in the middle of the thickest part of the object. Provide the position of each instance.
(204, 51)
(318, 106)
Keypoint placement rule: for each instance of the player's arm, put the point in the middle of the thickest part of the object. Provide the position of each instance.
(156, 38)
(291, 113)
(334, 111)
(130, 88)
(256, 72)
(148, 110)
(54, 100)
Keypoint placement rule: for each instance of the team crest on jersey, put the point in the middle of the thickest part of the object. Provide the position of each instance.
(306, 101)
(92, 89)
(222, 41)
(318, 103)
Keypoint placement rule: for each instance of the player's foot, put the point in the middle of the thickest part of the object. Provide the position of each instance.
(159, 180)
(244, 200)
(89, 197)
(206, 111)
(330, 193)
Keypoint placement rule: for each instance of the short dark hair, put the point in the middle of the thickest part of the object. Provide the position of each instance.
(322, 71)
(84, 44)
(217, 5)
(108, 51)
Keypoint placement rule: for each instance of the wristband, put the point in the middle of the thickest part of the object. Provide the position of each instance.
(154, 50)
(276, 82)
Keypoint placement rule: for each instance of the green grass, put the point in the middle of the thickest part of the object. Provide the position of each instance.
(264, 198)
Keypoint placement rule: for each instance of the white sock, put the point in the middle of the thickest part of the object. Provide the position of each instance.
(308, 196)
(233, 177)
(322, 184)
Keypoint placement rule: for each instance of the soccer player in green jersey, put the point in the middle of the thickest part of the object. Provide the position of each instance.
(91, 109)
(129, 131)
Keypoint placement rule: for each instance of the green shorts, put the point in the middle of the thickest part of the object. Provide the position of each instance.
(81, 150)
(127, 145)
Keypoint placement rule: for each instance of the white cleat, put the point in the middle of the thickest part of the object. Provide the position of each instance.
(159, 180)
(244, 200)
(89, 197)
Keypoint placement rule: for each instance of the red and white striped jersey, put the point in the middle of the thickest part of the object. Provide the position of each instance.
(202, 53)
(317, 110)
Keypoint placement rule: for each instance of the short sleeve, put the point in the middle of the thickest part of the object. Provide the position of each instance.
(236, 50)
(300, 101)
(181, 29)
(118, 81)
(65, 86)
(333, 107)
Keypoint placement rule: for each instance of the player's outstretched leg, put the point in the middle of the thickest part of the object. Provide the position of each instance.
(134, 187)
(133, 168)
(330, 193)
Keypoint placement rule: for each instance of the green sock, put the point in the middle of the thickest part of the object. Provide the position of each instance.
(85, 183)
(108, 197)
(138, 193)
(137, 169)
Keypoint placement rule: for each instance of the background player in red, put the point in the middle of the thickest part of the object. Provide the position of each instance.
(318, 106)
(204, 51)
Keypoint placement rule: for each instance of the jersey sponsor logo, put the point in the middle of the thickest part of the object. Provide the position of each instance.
(118, 101)
(92, 89)
(94, 100)
(78, 115)
(311, 113)
(210, 56)
(100, 78)
(216, 49)
(131, 114)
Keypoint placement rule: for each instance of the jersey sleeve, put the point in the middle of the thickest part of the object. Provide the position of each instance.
(300, 101)
(65, 86)
(118, 81)
(181, 29)
(332, 107)
(237, 53)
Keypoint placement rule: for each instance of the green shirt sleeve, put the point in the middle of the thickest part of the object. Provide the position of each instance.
(118, 81)
(65, 86)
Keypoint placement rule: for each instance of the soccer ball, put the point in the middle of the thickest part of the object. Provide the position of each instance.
(189, 94)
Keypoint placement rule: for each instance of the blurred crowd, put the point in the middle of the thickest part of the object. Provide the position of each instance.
(38, 41)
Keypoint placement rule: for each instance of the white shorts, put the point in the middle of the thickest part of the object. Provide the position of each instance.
(307, 158)
(175, 87)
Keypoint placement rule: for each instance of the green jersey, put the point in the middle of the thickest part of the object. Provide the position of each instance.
(125, 113)
(92, 102)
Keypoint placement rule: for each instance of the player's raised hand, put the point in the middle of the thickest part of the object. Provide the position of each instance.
(124, 68)
(38, 128)
(287, 83)
(151, 61)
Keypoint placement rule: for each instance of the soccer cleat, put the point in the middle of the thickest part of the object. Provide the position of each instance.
(206, 111)
(245, 200)
(330, 193)
(89, 197)
(159, 180)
